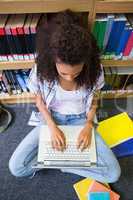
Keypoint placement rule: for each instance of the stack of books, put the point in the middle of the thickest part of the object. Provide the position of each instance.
(114, 35)
(17, 36)
(89, 189)
(14, 81)
(117, 132)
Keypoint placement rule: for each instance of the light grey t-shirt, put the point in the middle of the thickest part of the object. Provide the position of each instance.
(60, 100)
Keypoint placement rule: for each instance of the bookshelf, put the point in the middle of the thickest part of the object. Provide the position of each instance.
(46, 6)
(29, 63)
(49, 6)
(114, 6)
(19, 98)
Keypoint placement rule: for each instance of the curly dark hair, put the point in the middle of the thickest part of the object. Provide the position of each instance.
(64, 37)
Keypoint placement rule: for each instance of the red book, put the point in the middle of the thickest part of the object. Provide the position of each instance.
(20, 20)
(26, 29)
(4, 50)
(10, 34)
(33, 30)
(129, 45)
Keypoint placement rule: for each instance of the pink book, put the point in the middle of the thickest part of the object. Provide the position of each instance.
(98, 187)
(129, 45)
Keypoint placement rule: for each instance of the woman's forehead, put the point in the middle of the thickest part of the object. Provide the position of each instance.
(65, 68)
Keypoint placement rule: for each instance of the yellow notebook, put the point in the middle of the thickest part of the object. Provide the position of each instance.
(116, 129)
(82, 188)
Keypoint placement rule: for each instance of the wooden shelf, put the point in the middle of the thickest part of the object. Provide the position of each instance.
(17, 65)
(116, 95)
(29, 63)
(39, 6)
(34, 6)
(29, 98)
(117, 63)
(19, 98)
(114, 6)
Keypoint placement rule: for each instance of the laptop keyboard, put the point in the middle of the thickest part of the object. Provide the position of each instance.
(70, 153)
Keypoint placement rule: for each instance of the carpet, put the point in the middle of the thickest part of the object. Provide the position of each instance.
(49, 184)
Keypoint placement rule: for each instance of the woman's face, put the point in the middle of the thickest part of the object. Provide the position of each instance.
(68, 72)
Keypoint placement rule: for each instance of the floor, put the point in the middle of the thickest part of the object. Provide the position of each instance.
(51, 184)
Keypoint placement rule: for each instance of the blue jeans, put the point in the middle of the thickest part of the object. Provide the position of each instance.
(25, 155)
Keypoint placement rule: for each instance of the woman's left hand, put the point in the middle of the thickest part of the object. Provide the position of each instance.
(84, 138)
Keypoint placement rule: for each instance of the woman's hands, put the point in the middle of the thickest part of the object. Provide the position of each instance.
(58, 139)
(84, 138)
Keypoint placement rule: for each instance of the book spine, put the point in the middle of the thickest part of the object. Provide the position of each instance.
(32, 38)
(108, 30)
(21, 81)
(28, 42)
(8, 86)
(4, 89)
(129, 46)
(13, 88)
(123, 41)
(117, 28)
(3, 56)
(11, 44)
(121, 25)
(20, 31)
(16, 83)
(17, 43)
(25, 78)
(102, 28)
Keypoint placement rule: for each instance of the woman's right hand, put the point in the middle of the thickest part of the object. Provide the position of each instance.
(58, 139)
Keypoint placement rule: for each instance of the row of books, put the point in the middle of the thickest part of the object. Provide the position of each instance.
(13, 81)
(114, 35)
(17, 36)
(89, 189)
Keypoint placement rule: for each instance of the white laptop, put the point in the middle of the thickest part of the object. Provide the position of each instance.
(71, 157)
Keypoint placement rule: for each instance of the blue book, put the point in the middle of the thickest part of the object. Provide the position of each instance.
(117, 28)
(99, 196)
(124, 149)
(108, 29)
(21, 81)
(123, 40)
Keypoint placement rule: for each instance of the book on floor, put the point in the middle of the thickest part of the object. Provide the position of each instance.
(116, 129)
(99, 187)
(82, 187)
(99, 196)
(124, 149)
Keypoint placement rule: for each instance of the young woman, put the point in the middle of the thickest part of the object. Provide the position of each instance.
(64, 80)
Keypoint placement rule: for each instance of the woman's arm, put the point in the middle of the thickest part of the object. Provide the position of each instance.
(44, 111)
(84, 138)
(57, 136)
(92, 112)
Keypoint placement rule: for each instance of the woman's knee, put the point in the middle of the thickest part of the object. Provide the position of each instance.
(13, 168)
(114, 174)
(21, 167)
